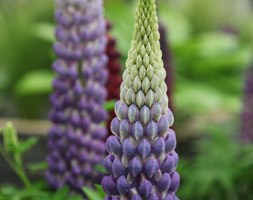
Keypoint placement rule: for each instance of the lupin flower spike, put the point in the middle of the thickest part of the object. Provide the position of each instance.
(247, 114)
(76, 139)
(142, 158)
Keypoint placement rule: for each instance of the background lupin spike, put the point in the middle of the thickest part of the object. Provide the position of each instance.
(76, 138)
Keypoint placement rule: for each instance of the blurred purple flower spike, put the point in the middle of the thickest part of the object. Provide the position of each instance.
(76, 138)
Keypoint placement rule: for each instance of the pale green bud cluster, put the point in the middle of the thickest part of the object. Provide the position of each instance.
(143, 79)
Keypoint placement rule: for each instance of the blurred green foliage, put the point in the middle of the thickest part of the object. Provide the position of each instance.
(34, 82)
(22, 52)
(221, 169)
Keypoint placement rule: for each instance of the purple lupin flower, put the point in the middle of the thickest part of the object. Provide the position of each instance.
(142, 160)
(247, 114)
(76, 138)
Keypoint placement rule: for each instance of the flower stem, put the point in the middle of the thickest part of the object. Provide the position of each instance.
(21, 172)
(16, 166)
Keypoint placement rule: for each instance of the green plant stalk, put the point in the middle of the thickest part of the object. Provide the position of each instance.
(17, 166)
(21, 172)
(7, 158)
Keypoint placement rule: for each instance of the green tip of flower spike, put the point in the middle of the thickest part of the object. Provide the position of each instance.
(10, 137)
(143, 79)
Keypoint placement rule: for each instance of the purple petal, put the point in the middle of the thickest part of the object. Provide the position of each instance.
(122, 185)
(145, 189)
(118, 168)
(144, 148)
(170, 142)
(136, 197)
(153, 197)
(168, 165)
(175, 181)
(109, 185)
(151, 167)
(128, 149)
(159, 146)
(152, 130)
(113, 145)
(137, 130)
(115, 126)
(163, 125)
(108, 163)
(135, 167)
(164, 183)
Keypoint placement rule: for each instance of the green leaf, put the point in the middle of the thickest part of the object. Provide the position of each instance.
(7, 191)
(35, 83)
(92, 194)
(100, 168)
(44, 31)
(109, 105)
(215, 43)
(100, 190)
(61, 194)
(35, 167)
(76, 197)
(22, 194)
(40, 185)
(27, 144)
(32, 194)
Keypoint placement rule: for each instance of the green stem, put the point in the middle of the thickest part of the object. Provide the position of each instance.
(16, 166)
(7, 158)
(21, 171)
